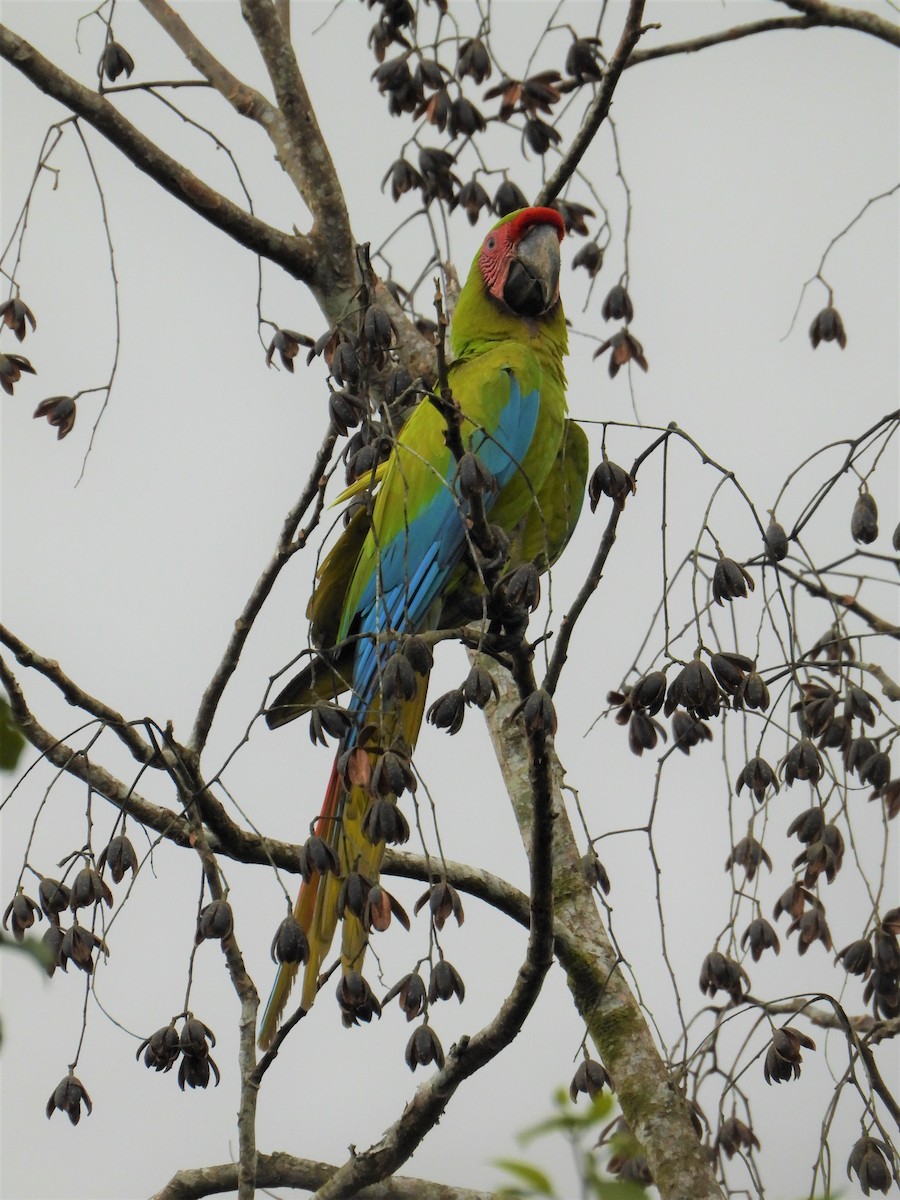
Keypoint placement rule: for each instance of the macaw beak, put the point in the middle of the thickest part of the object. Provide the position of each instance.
(532, 281)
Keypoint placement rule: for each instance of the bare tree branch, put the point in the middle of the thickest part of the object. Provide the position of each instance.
(294, 253)
(652, 1105)
(283, 1170)
(848, 18)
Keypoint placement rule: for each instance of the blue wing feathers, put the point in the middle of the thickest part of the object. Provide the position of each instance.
(417, 562)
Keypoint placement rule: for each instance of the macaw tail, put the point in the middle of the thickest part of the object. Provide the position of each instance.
(343, 858)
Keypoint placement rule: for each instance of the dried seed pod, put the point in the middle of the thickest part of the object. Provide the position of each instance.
(286, 343)
(353, 895)
(624, 348)
(689, 732)
(753, 692)
(827, 326)
(216, 921)
(68, 1096)
(384, 822)
(811, 927)
(346, 411)
(113, 61)
(540, 135)
(88, 888)
(720, 972)
(609, 479)
(759, 936)
(465, 119)
(418, 654)
(356, 999)
(590, 1078)
(857, 957)
(474, 477)
(783, 1058)
(734, 1137)
(11, 368)
(595, 872)
(60, 412)
(757, 775)
(327, 720)
(51, 944)
(161, 1049)
(196, 1072)
(78, 945)
(479, 687)
(290, 944)
(318, 857)
(472, 59)
(448, 711)
(381, 908)
(864, 519)
(445, 982)
(443, 901)
(539, 713)
(423, 1048)
(410, 992)
(808, 826)
(398, 679)
(509, 198)
(695, 689)
(776, 541)
(750, 855)
(13, 314)
(617, 305)
(643, 732)
(403, 176)
(194, 1038)
(650, 692)
(20, 915)
(802, 761)
(581, 60)
(729, 674)
(794, 900)
(876, 770)
(54, 897)
(589, 256)
(730, 581)
(119, 856)
(870, 1160)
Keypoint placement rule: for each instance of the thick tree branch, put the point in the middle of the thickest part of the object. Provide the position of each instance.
(847, 18)
(651, 1104)
(315, 177)
(294, 253)
(283, 1170)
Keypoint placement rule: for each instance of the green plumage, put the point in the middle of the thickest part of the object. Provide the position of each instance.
(404, 567)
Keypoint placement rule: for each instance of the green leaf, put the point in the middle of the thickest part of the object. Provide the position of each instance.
(619, 1190)
(12, 742)
(538, 1183)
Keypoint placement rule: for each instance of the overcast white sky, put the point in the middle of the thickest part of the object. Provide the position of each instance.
(743, 162)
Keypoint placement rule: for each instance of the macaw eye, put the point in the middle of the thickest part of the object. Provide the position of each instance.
(490, 243)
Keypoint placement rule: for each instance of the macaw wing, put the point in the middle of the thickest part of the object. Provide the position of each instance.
(552, 518)
(419, 530)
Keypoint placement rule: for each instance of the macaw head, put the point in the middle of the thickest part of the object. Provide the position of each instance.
(519, 261)
(514, 278)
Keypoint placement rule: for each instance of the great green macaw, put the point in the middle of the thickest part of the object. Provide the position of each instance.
(402, 568)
